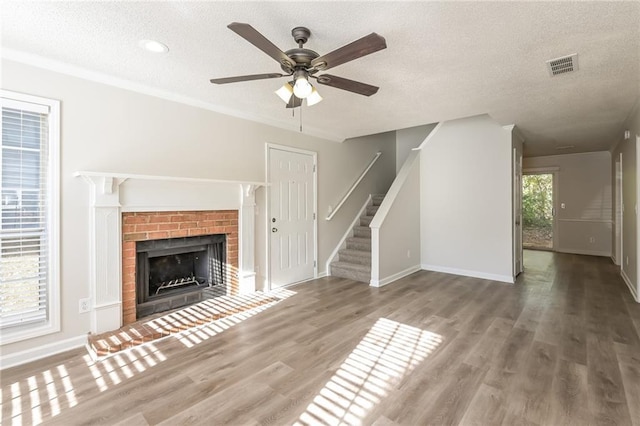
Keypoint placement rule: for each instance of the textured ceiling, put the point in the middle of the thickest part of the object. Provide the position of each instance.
(444, 60)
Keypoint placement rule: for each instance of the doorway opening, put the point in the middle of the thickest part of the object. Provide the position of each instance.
(537, 211)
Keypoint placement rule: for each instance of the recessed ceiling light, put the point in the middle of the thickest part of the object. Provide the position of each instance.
(153, 46)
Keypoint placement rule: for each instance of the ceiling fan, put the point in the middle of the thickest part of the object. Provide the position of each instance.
(304, 64)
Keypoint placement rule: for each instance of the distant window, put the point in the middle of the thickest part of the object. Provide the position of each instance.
(29, 288)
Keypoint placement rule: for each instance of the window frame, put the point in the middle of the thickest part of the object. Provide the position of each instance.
(51, 325)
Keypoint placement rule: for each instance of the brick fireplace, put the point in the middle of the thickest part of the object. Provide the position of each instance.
(147, 226)
(128, 209)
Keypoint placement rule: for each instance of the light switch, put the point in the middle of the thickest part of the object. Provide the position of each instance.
(562, 205)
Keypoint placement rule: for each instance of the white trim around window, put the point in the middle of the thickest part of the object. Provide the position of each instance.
(51, 323)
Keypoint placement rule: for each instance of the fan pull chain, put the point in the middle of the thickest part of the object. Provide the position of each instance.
(300, 117)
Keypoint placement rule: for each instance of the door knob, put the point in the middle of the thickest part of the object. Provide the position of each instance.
(274, 229)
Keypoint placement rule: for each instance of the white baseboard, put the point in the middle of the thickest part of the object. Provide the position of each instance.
(585, 252)
(394, 277)
(466, 273)
(632, 289)
(34, 354)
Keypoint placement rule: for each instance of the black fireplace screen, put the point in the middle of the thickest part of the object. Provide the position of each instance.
(169, 268)
(177, 270)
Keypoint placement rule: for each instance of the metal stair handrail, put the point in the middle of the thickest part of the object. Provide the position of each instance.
(353, 187)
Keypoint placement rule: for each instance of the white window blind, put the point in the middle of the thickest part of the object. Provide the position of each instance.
(25, 225)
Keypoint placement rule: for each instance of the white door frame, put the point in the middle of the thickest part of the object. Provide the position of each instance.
(554, 171)
(619, 215)
(637, 236)
(517, 199)
(268, 147)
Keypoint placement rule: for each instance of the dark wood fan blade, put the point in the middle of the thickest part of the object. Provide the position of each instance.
(252, 35)
(244, 78)
(346, 84)
(294, 102)
(357, 49)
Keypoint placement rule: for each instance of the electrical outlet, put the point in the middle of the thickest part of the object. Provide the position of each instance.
(85, 305)
(592, 240)
(409, 254)
(627, 260)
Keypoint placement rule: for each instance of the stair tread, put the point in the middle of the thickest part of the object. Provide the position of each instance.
(359, 239)
(352, 266)
(355, 252)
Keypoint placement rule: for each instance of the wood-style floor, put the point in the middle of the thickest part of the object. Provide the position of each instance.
(559, 347)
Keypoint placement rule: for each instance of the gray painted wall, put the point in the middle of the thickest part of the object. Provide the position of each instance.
(105, 128)
(407, 139)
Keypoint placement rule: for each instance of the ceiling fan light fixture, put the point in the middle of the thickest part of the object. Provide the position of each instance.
(313, 98)
(302, 88)
(285, 92)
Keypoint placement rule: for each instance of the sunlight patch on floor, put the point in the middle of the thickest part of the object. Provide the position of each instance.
(46, 395)
(386, 354)
(40, 396)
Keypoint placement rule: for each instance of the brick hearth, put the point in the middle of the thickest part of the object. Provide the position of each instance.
(144, 226)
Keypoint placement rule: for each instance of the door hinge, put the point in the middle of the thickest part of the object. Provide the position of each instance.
(314, 168)
(314, 216)
(314, 264)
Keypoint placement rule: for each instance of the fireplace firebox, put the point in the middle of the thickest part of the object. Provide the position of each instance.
(176, 272)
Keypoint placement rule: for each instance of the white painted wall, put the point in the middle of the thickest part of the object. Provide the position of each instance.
(111, 129)
(407, 139)
(630, 219)
(465, 201)
(584, 186)
(396, 227)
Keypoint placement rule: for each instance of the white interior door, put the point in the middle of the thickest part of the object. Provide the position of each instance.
(292, 217)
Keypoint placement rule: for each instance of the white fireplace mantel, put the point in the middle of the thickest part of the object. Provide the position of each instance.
(125, 176)
(114, 193)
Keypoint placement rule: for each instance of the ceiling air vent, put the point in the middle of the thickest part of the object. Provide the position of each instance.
(563, 65)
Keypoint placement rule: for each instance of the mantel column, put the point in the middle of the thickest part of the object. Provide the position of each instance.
(105, 253)
(247, 239)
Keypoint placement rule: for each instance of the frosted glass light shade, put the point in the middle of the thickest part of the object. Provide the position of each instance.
(313, 98)
(285, 92)
(302, 88)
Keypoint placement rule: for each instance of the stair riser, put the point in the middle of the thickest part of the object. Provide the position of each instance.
(365, 220)
(377, 201)
(350, 258)
(352, 275)
(362, 232)
(359, 245)
(371, 210)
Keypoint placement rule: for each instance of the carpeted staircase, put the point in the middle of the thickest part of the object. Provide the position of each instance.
(354, 261)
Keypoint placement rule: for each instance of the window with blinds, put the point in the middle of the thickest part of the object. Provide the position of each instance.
(27, 214)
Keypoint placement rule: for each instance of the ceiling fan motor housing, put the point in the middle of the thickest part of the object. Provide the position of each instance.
(301, 34)
(303, 57)
(300, 55)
